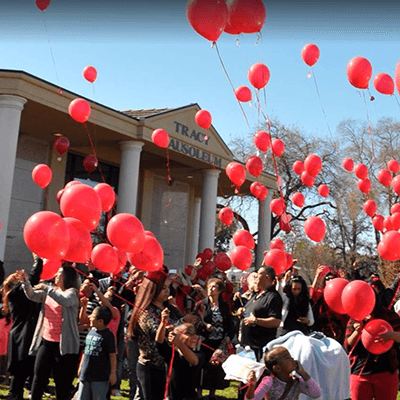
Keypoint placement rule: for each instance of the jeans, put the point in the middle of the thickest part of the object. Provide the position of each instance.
(93, 390)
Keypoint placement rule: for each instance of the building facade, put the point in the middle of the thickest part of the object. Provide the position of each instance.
(173, 191)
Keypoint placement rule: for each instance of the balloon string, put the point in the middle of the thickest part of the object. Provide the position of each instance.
(169, 181)
(320, 102)
(369, 128)
(230, 82)
(51, 52)
(94, 151)
(169, 372)
(397, 100)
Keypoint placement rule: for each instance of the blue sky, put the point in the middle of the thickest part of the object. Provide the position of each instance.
(148, 56)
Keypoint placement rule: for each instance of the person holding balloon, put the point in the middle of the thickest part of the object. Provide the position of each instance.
(373, 358)
(56, 338)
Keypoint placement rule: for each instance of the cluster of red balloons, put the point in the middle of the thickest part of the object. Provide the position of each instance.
(308, 170)
(210, 18)
(259, 191)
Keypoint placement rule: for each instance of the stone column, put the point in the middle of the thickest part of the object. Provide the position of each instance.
(208, 208)
(129, 176)
(264, 228)
(10, 118)
(194, 231)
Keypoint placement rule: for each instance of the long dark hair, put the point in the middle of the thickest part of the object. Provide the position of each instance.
(148, 290)
(301, 303)
(8, 286)
(70, 277)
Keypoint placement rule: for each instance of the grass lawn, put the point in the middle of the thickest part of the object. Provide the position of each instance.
(228, 393)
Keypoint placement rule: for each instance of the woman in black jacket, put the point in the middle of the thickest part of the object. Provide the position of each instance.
(217, 329)
(24, 314)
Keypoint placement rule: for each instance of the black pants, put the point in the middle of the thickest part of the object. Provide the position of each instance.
(21, 371)
(152, 381)
(64, 370)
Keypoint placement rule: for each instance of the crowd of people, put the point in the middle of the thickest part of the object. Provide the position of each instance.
(173, 332)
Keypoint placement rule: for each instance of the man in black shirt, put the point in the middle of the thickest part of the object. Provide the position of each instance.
(262, 314)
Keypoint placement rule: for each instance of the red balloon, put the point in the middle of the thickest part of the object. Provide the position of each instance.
(313, 164)
(323, 190)
(209, 267)
(333, 294)
(223, 262)
(370, 336)
(310, 54)
(298, 199)
(364, 185)
(277, 147)
(90, 163)
(348, 164)
(384, 177)
(83, 203)
(315, 228)
(389, 246)
(236, 173)
(150, 234)
(395, 208)
(59, 195)
(298, 167)
(393, 166)
(262, 140)
(307, 178)
(90, 73)
(241, 257)
(151, 258)
(42, 175)
(47, 235)
(361, 171)
(160, 138)
(246, 16)
(207, 254)
(122, 260)
(203, 273)
(79, 110)
(226, 215)
(358, 299)
(277, 244)
(106, 194)
(258, 75)
(396, 184)
(387, 223)
(276, 259)
(370, 207)
(383, 83)
(104, 258)
(72, 183)
(126, 232)
(203, 119)
(289, 260)
(359, 72)
(207, 17)
(397, 76)
(277, 206)
(80, 241)
(263, 193)
(284, 222)
(188, 270)
(254, 165)
(243, 93)
(231, 30)
(50, 269)
(395, 218)
(377, 222)
(243, 237)
(61, 144)
(42, 4)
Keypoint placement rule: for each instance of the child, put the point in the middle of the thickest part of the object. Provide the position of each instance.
(282, 384)
(97, 368)
(186, 362)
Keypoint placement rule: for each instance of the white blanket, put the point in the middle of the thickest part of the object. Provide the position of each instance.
(323, 358)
